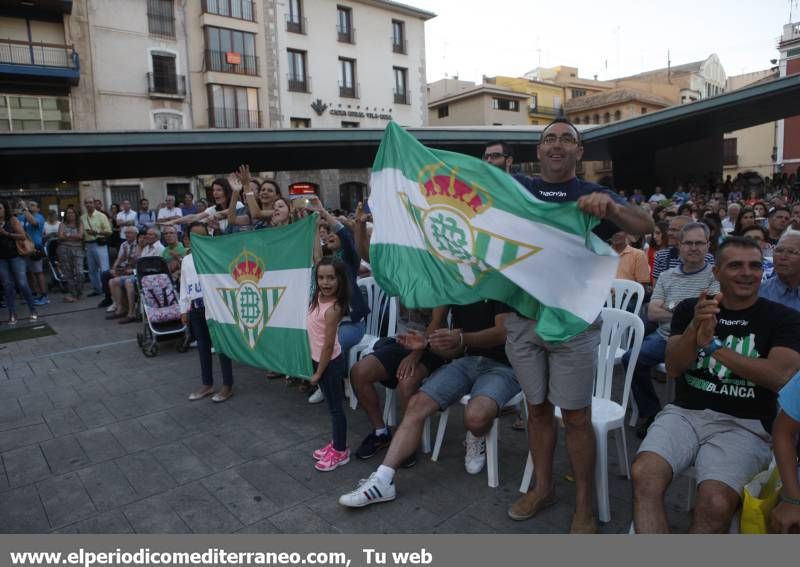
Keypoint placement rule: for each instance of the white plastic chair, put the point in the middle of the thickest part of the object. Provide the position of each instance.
(669, 395)
(381, 322)
(492, 466)
(619, 297)
(607, 415)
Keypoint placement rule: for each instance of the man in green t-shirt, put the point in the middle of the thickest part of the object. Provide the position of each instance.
(173, 251)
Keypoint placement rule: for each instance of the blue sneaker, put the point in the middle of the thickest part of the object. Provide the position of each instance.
(41, 301)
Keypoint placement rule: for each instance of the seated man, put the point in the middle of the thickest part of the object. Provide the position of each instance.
(152, 247)
(173, 251)
(116, 278)
(480, 368)
(730, 355)
(397, 368)
(686, 280)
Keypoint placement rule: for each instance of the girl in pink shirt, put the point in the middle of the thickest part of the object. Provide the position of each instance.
(328, 306)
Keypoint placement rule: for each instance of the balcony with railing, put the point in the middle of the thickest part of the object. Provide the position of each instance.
(224, 117)
(166, 85)
(402, 97)
(239, 9)
(231, 62)
(545, 110)
(348, 91)
(399, 45)
(346, 34)
(39, 61)
(295, 24)
(299, 83)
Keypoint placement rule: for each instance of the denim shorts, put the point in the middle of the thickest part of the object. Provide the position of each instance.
(474, 375)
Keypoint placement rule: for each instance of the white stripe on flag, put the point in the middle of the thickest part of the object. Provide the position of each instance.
(290, 312)
(564, 274)
(494, 252)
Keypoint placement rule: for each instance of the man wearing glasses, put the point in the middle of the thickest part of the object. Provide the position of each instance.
(499, 155)
(784, 286)
(729, 355)
(96, 230)
(692, 276)
(562, 374)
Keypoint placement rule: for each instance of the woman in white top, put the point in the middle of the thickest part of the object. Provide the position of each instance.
(193, 315)
(216, 217)
(51, 227)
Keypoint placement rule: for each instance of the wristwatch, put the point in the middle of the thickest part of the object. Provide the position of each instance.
(711, 347)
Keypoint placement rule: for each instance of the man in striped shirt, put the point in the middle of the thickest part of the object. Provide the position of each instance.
(670, 257)
(688, 279)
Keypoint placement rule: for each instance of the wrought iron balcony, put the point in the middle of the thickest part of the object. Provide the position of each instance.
(295, 24)
(45, 61)
(299, 83)
(348, 91)
(224, 117)
(166, 85)
(402, 97)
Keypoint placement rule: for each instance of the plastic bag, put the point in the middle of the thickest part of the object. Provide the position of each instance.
(760, 497)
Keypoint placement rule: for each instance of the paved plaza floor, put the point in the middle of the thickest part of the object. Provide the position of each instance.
(96, 438)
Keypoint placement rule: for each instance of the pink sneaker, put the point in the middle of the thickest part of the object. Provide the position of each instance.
(319, 453)
(333, 459)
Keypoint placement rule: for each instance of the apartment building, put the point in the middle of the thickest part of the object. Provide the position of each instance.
(348, 64)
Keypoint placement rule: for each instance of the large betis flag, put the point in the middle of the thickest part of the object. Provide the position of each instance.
(452, 229)
(256, 288)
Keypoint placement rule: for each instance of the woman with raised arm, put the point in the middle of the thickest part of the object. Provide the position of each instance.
(217, 216)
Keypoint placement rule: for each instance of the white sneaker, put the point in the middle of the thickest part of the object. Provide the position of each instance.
(369, 491)
(475, 458)
(112, 307)
(316, 397)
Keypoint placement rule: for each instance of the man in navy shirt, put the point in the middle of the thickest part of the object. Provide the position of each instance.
(562, 374)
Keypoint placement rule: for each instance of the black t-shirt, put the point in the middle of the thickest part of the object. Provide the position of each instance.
(568, 192)
(751, 332)
(477, 317)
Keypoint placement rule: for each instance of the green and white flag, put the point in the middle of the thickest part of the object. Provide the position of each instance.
(256, 288)
(452, 229)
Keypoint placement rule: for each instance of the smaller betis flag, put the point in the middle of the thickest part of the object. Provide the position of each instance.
(451, 229)
(256, 287)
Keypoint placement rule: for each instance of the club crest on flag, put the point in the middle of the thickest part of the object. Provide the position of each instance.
(447, 224)
(251, 306)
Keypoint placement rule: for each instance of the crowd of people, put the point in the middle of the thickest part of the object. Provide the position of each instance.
(720, 269)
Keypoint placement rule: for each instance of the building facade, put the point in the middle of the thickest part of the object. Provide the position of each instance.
(787, 156)
(750, 149)
(171, 64)
(545, 100)
(483, 104)
(348, 64)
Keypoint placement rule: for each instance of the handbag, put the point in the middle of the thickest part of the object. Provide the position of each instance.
(25, 247)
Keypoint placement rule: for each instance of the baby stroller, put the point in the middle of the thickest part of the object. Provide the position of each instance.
(51, 259)
(158, 301)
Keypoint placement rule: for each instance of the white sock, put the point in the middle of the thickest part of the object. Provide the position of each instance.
(386, 474)
(381, 431)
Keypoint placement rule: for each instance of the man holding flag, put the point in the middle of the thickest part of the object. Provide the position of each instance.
(453, 230)
(561, 373)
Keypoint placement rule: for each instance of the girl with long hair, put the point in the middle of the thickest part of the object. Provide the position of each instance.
(329, 304)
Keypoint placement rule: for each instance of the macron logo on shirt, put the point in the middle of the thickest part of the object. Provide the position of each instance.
(553, 193)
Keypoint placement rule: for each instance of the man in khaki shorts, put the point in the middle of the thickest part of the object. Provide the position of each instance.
(562, 374)
(730, 355)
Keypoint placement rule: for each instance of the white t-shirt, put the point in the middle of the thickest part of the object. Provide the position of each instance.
(223, 222)
(656, 198)
(122, 217)
(51, 228)
(166, 214)
(154, 250)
